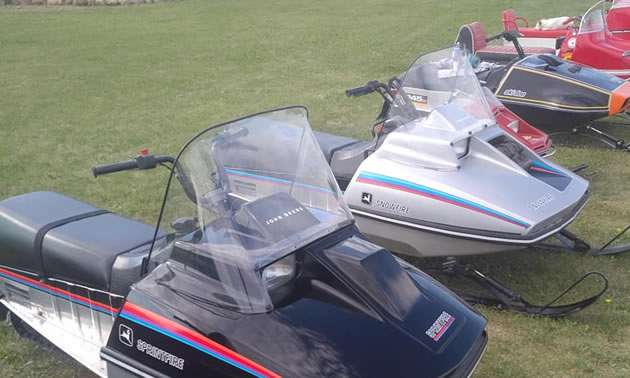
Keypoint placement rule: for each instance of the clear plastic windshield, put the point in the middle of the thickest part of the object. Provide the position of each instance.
(594, 20)
(443, 106)
(445, 77)
(250, 193)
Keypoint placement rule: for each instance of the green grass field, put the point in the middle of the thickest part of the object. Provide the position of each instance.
(84, 86)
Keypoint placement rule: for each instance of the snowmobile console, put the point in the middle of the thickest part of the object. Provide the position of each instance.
(52, 236)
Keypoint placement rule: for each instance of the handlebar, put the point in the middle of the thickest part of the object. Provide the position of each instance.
(510, 36)
(358, 91)
(369, 87)
(140, 162)
(494, 37)
(228, 135)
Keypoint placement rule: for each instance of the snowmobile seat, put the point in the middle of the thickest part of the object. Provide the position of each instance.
(330, 143)
(53, 236)
(510, 19)
(344, 155)
(473, 36)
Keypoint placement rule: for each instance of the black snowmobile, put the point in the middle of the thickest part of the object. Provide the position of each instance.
(548, 92)
(255, 268)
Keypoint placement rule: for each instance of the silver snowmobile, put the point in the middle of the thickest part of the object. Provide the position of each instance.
(441, 178)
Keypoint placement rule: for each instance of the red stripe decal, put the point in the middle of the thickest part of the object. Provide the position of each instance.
(428, 195)
(53, 289)
(544, 170)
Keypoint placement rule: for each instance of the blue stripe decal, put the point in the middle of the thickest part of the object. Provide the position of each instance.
(420, 188)
(542, 165)
(187, 342)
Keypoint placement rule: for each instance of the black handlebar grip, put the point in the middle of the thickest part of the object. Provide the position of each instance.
(115, 167)
(359, 91)
(492, 38)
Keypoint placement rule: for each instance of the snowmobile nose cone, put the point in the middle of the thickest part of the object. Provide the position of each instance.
(619, 99)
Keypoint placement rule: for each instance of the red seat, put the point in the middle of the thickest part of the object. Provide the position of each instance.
(510, 22)
(473, 36)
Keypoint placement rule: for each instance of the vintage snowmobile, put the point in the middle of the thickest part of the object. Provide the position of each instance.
(255, 268)
(601, 39)
(618, 19)
(446, 181)
(548, 92)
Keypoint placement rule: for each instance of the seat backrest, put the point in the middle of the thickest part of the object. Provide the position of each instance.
(509, 20)
(472, 36)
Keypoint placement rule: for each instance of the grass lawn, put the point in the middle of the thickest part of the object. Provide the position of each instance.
(84, 86)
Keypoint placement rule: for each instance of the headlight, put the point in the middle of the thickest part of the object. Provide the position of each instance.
(513, 126)
(280, 272)
(571, 43)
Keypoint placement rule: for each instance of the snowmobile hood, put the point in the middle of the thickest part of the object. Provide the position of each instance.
(355, 311)
(501, 190)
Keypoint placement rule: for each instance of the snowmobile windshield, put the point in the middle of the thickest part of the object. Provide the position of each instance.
(439, 106)
(251, 192)
(617, 4)
(594, 20)
(444, 77)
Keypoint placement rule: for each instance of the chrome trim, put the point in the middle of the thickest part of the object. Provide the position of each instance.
(552, 107)
(19, 270)
(550, 152)
(85, 287)
(485, 347)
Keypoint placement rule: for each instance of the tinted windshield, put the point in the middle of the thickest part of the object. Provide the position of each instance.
(445, 77)
(594, 20)
(250, 192)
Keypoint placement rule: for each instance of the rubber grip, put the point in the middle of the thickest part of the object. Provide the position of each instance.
(114, 167)
(358, 91)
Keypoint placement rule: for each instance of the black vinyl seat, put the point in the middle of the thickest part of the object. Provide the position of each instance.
(55, 236)
(330, 143)
(344, 155)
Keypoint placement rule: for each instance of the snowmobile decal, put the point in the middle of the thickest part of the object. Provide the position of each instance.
(530, 81)
(193, 339)
(440, 326)
(59, 292)
(409, 187)
(541, 167)
(232, 172)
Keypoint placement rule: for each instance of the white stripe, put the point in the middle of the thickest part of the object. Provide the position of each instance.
(617, 72)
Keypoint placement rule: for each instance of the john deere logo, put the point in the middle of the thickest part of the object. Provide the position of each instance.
(125, 335)
(366, 198)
